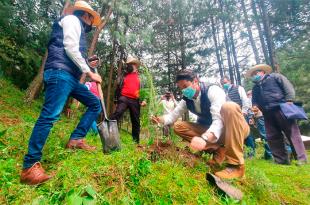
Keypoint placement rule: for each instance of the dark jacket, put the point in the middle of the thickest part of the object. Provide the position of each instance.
(57, 57)
(272, 90)
(234, 96)
(205, 117)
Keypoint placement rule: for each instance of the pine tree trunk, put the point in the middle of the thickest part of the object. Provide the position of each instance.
(219, 62)
(97, 32)
(234, 53)
(260, 32)
(182, 45)
(249, 30)
(110, 80)
(268, 34)
(36, 85)
(230, 68)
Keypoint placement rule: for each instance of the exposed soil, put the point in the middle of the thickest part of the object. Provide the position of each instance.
(167, 150)
(9, 121)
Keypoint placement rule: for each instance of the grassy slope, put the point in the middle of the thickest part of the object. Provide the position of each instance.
(125, 177)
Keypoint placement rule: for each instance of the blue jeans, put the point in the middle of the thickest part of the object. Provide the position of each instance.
(94, 128)
(260, 122)
(250, 143)
(59, 85)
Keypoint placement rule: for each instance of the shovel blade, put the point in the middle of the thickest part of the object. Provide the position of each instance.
(109, 135)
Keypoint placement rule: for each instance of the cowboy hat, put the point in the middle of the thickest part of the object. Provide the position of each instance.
(132, 60)
(263, 67)
(84, 6)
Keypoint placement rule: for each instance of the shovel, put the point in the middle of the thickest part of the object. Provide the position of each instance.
(224, 187)
(108, 129)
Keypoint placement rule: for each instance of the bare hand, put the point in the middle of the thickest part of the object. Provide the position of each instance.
(94, 64)
(198, 144)
(155, 119)
(95, 77)
(251, 121)
(93, 61)
(143, 103)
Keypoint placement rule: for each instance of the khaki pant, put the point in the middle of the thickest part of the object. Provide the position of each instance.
(235, 130)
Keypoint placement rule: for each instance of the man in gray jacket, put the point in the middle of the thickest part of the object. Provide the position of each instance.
(269, 91)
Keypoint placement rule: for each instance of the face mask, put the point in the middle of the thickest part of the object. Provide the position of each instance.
(256, 78)
(189, 92)
(129, 68)
(226, 86)
(87, 28)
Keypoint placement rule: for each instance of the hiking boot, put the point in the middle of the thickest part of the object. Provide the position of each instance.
(218, 157)
(231, 171)
(34, 175)
(79, 144)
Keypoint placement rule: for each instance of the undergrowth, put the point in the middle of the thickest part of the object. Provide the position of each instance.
(128, 176)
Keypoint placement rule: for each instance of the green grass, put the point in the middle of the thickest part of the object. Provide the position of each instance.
(127, 176)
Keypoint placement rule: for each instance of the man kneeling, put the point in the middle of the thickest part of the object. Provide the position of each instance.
(220, 126)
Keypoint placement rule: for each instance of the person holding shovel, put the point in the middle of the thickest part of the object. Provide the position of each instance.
(220, 126)
(127, 94)
(64, 66)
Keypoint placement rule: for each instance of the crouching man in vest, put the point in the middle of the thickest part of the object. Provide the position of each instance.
(220, 127)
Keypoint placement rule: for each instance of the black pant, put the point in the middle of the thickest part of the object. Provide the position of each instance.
(134, 109)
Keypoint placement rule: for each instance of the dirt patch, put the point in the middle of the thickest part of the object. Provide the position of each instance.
(167, 150)
(5, 120)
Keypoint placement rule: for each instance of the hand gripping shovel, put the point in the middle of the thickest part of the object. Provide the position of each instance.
(108, 129)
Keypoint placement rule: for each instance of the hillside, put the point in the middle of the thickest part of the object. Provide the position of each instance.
(135, 175)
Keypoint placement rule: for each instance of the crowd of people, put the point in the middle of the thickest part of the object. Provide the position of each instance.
(223, 112)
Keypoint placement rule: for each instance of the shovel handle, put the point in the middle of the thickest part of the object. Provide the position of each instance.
(101, 98)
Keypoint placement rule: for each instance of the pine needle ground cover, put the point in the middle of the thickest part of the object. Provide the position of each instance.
(163, 174)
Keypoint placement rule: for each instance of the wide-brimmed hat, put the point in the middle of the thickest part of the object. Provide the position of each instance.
(132, 60)
(263, 67)
(84, 6)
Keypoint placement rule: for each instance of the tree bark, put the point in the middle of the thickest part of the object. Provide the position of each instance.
(268, 34)
(260, 32)
(220, 64)
(36, 85)
(233, 49)
(230, 68)
(98, 30)
(249, 30)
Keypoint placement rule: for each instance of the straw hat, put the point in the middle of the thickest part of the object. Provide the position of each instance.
(84, 6)
(132, 60)
(263, 67)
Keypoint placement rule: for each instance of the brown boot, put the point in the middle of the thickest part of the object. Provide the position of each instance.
(218, 157)
(34, 175)
(232, 171)
(80, 144)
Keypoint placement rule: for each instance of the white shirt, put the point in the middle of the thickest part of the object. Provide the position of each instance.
(168, 105)
(217, 98)
(72, 32)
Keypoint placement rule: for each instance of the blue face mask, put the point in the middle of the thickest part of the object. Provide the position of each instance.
(226, 86)
(189, 92)
(256, 78)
